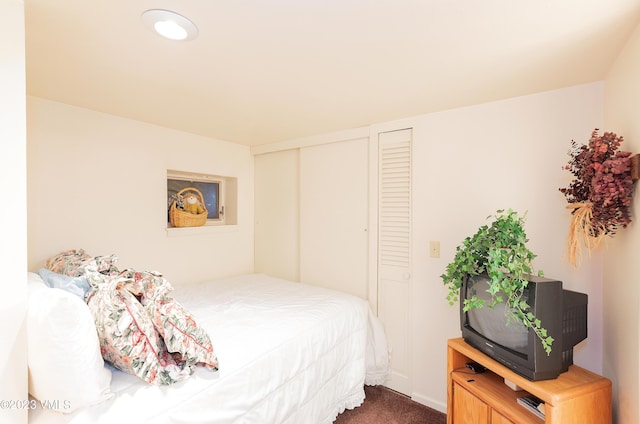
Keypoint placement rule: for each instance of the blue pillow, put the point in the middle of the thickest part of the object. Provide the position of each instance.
(76, 285)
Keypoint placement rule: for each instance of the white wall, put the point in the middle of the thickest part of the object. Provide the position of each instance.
(622, 294)
(470, 162)
(98, 182)
(13, 248)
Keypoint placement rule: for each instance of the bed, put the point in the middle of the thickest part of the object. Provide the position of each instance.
(287, 352)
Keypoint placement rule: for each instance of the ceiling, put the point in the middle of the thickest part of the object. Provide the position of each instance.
(267, 71)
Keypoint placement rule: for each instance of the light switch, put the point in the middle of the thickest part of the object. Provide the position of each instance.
(434, 249)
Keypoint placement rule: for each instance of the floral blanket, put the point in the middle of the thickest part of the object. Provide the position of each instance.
(141, 328)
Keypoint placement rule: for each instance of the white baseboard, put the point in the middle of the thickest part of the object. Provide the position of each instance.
(438, 406)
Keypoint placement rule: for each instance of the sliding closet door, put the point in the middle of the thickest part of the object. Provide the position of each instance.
(276, 214)
(394, 252)
(334, 215)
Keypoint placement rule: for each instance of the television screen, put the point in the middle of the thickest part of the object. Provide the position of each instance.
(563, 314)
(492, 322)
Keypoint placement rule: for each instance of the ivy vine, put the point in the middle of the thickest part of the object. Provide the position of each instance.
(500, 250)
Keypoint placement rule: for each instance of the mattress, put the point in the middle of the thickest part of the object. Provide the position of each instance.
(288, 353)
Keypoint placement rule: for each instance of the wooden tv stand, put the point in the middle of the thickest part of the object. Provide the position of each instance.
(577, 396)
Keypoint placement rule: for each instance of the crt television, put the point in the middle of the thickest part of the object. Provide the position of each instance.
(562, 312)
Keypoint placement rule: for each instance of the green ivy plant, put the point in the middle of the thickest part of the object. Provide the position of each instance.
(500, 251)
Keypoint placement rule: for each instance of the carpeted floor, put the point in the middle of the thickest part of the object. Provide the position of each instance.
(384, 406)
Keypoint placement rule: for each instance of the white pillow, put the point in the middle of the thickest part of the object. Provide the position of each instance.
(65, 363)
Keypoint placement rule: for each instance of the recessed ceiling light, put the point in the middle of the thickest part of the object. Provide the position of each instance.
(170, 24)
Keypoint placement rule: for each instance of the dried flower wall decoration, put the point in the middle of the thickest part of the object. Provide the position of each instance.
(600, 194)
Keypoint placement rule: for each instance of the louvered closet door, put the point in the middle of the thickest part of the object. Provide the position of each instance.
(394, 251)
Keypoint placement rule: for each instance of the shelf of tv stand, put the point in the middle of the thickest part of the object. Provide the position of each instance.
(576, 396)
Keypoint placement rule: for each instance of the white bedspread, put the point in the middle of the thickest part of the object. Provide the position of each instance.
(288, 352)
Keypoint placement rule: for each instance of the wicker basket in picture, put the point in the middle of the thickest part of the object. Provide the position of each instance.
(193, 212)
